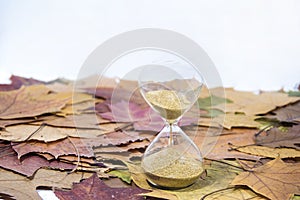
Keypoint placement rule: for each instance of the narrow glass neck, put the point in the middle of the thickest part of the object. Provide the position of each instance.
(172, 128)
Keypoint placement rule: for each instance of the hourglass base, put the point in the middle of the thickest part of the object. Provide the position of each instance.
(171, 184)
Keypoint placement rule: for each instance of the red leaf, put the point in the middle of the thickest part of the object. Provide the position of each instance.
(27, 165)
(94, 188)
(144, 119)
(17, 82)
(125, 112)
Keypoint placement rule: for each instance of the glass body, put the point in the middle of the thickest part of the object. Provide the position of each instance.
(172, 160)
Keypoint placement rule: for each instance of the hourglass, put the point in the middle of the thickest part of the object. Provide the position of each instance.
(172, 160)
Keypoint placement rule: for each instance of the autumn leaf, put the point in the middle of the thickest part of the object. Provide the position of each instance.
(207, 102)
(125, 112)
(94, 188)
(274, 180)
(124, 175)
(8, 122)
(77, 109)
(28, 165)
(214, 144)
(239, 120)
(46, 133)
(84, 121)
(294, 93)
(143, 118)
(23, 188)
(267, 151)
(67, 146)
(275, 137)
(234, 193)
(252, 104)
(289, 113)
(18, 81)
(30, 101)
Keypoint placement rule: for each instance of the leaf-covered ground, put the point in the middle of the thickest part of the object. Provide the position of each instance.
(87, 143)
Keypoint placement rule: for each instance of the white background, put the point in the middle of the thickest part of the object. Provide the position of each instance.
(255, 44)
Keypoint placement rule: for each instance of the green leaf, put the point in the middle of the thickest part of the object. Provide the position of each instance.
(213, 113)
(294, 93)
(124, 175)
(207, 102)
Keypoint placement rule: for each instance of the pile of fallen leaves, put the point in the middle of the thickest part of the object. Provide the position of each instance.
(86, 142)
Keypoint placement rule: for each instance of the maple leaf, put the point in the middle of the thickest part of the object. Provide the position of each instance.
(26, 132)
(276, 138)
(289, 113)
(8, 122)
(28, 165)
(125, 112)
(274, 180)
(238, 120)
(95, 188)
(214, 144)
(252, 104)
(207, 102)
(67, 146)
(17, 82)
(30, 101)
(84, 121)
(267, 151)
(24, 188)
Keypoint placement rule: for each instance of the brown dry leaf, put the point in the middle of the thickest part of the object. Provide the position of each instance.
(8, 122)
(288, 113)
(30, 101)
(122, 156)
(60, 85)
(74, 159)
(88, 121)
(230, 120)
(239, 120)
(277, 138)
(236, 193)
(214, 145)
(29, 164)
(23, 188)
(268, 152)
(275, 180)
(76, 109)
(124, 148)
(117, 138)
(251, 104)
(46, 133)
(68, 146)
(75, 97)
